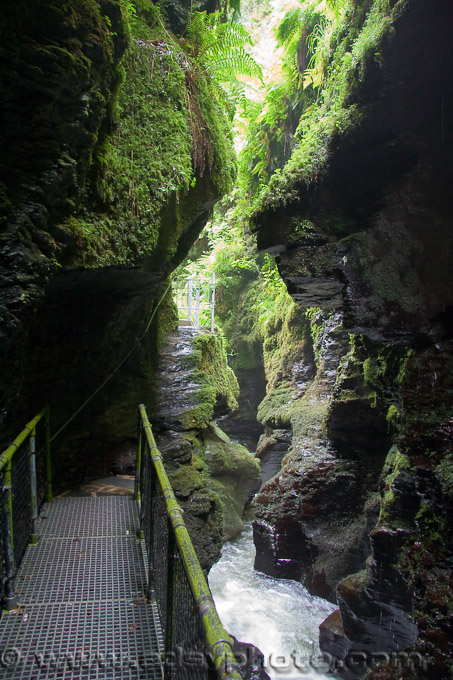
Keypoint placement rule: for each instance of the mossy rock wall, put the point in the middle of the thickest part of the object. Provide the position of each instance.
(100, 199)
(348, 220)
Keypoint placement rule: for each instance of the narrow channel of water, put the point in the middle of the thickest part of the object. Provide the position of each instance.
(278, 616)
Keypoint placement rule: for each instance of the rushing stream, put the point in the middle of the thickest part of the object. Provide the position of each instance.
(278, 616)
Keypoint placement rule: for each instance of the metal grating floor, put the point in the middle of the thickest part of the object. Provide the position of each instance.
(82, 613)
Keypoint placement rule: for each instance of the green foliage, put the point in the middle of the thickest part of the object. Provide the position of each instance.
(271, 134)
(343, 43)
(150, 156)
(290, 27)
(444, 472)
(217, 47)
(168, 130)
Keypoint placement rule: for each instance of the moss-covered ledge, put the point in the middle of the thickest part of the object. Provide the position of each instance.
(348, 213)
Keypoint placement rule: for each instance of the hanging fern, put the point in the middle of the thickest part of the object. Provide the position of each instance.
(290, 27)
(238, 62)
(217, 48)
(217, 56)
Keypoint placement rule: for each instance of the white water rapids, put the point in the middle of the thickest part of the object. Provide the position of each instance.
(278, 616)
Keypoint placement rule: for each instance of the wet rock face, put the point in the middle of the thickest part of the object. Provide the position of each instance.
(313, 517)
(242, 424)
(68, 204)
(311, 524)
(356, 238)
(272, 448)
(58, 72)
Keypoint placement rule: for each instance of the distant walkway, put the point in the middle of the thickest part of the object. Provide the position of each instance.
(82, 613)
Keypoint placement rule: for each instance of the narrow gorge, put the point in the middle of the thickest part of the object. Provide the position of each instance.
(301, 151)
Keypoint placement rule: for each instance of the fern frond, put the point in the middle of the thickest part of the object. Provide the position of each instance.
(233, 63)
(196, 26)
(290, 27)
(233, 35)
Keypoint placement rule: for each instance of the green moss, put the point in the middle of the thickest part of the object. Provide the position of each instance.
(393, 415)
(216, 381)
(222, 161)
(444, 472)
(356, 44)
(150, 156)
(390, 513)
(235, 475)
(142, 167)
(185, 480)
(374, 369)
(211, 362)
(433, 528)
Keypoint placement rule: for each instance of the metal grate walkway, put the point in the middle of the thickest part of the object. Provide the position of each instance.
(82, 613)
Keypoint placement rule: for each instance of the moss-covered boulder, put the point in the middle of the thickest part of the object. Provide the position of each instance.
(235, 475)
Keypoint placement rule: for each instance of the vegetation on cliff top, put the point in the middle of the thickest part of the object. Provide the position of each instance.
(169, 136)
(328, 48)
(347, 44)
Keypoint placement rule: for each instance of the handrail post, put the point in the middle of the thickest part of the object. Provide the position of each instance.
(138, 460)
(49, 491)
(189, 301)
(138, 478)
(197, 305)
(34, 537)
(10, 595)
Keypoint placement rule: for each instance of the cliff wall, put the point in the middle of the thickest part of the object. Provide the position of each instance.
(360, 221)
(112, 157)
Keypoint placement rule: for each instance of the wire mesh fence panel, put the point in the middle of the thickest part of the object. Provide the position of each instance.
(159, 551)
(145, 491)
(155, 527)
(2, 535)
(41, 472)
(17, 509)
(185, 633)
(179, 616)
(190, 622)
(21, 501)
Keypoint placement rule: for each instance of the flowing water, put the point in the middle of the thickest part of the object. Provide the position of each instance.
(278, 616)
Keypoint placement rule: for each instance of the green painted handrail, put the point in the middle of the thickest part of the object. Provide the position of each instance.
(218, 641)
(8, 453)
(6, 459)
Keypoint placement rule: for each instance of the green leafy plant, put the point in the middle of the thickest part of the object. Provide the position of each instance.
(218, 48)
(216, 58)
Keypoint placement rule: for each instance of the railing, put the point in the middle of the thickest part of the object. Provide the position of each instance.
(197, 646)
(195, 299)
(25, 480)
